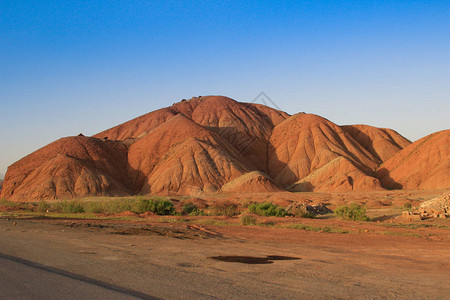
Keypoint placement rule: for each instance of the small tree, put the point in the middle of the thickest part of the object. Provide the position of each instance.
(354, 212)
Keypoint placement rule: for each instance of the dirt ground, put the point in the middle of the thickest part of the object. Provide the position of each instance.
(215, 257)
(371, 199)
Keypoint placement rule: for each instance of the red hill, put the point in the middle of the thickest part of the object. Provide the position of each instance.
(181, 154)
(382, 143)
(425, 164)
(304, 143)
(215, 144)
(70, 167)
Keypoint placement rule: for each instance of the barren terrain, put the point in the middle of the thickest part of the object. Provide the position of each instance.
(215, 257)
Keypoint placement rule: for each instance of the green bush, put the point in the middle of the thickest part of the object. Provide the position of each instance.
(113, 206)
(354, 212)
(248, 220)
(317, 229)
(157, 206)
(192, 210)
(43, 206)
(95, 207)
(118, 206)
(162, 207)
(141, 206)
(247, 202)
(267, 209)
(9, 203)
(71, 207)
(407, 205)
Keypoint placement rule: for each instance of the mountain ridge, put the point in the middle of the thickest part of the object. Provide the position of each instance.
(215, 144)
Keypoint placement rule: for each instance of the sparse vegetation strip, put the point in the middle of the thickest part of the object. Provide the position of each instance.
(316, 229)
(267, 209)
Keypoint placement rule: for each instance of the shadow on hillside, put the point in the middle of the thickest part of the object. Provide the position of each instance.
(367, 142)
(137, 181)
(250, 147)
(386, 180)
(303, 187)
(252, 151)
(275, 167)
(256, 152)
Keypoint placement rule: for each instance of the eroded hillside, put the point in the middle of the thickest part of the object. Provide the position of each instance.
(215, 144)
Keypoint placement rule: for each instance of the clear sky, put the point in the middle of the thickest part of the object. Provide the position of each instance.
(83, 66)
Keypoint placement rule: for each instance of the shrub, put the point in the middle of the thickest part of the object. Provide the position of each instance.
(95, 207)
(225, 209)
(9, 203)
(247, 202)
(248, 220)
(267, 209)
(162, 207)
(140, 206)
(317, 229)
(112, 206)
(192, 210)
(354, 212)
(43, 206)
(407, 205)
(198, 212)
(158, 206)
(71, 207)
(117, 206)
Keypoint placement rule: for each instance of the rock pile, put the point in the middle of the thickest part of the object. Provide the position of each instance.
(302, 208)
(411, 216)
(438, 207)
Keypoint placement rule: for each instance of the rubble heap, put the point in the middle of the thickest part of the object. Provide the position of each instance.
(300, 208)
(438, 207)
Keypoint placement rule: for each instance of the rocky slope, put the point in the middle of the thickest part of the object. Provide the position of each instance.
(70, 167)
(424, 164)
(215, 144)
(304, 143)
(382, 143)
(180, 155)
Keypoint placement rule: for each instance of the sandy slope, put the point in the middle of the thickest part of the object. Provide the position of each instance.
(424, 164)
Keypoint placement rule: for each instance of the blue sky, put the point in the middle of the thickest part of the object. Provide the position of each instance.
(83, 66)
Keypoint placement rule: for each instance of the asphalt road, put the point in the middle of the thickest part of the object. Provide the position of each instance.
(23, 279)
